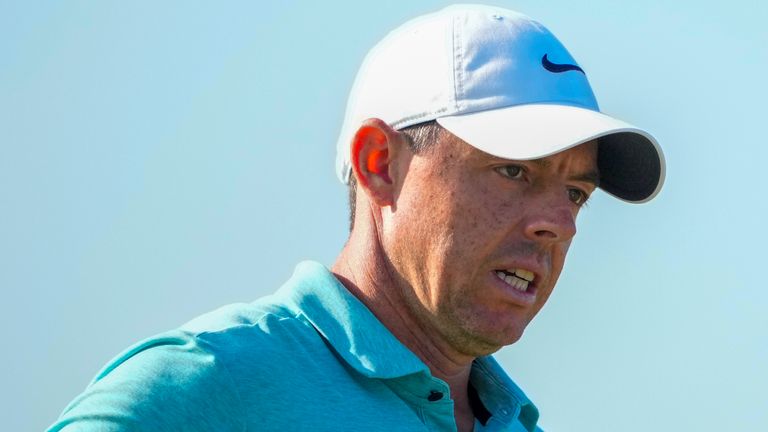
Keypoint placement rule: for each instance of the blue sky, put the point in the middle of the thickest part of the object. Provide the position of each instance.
(161, 159)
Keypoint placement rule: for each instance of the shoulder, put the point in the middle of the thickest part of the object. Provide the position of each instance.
(160, 383)
(189, 378)
(264, 330)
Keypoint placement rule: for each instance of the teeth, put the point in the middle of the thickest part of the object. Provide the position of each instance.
(514, 281)
(525, 274)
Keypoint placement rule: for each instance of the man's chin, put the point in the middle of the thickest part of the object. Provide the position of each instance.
(488, 344)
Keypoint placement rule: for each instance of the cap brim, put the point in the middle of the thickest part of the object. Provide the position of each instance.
(630, 160)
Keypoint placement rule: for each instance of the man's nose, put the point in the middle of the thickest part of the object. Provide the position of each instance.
(551, 223)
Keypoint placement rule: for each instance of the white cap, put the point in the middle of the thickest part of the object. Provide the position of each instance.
(504, 84)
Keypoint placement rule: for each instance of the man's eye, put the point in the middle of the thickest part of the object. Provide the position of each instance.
(511, 171)
(577, 196)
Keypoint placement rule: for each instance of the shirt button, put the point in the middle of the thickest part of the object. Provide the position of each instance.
(434, 396)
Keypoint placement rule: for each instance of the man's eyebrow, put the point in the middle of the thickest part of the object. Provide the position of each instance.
(592, 176)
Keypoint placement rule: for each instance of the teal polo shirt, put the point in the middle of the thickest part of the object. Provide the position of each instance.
(310, 357)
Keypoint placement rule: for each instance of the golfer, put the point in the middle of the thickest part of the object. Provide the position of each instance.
(471, 141)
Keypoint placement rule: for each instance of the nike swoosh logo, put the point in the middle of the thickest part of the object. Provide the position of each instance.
(559, 68)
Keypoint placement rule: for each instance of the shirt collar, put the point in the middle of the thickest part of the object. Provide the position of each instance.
(370, 348)
(347, 324)
(500, 395)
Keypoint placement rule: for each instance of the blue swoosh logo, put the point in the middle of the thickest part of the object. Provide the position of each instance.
(559, 68)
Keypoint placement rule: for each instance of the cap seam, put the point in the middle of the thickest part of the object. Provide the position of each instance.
(458, 77)
(406, 121)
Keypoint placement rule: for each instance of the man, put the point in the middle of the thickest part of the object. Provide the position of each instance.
(471, 141)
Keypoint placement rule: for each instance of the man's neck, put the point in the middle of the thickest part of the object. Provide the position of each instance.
(371, 281)
(363, 271)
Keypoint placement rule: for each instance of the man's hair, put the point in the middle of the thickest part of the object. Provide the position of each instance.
(420, 138)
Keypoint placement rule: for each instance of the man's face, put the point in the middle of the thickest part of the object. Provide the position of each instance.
(478, 242)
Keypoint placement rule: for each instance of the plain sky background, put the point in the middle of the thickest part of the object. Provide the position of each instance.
(160, 159)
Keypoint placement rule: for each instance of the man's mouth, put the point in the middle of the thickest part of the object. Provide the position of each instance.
(518, 279)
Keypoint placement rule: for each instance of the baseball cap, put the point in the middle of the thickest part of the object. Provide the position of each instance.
(503, 83)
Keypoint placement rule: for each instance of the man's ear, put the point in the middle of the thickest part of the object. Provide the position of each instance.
(375, 146)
